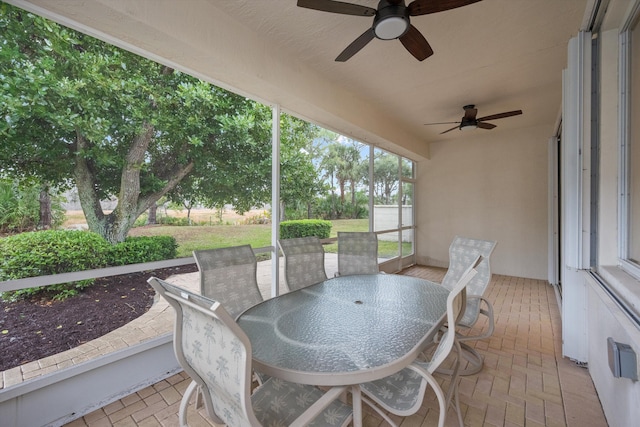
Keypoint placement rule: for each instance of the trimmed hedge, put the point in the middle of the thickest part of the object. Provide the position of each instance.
(135, 250)
(61, 251)
(304, 228)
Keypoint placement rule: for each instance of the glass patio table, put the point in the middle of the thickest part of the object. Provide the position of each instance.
(345, 331)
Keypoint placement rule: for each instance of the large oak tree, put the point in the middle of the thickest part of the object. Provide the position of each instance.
(75, 110)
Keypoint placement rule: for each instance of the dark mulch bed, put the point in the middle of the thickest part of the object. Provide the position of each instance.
(37, 328)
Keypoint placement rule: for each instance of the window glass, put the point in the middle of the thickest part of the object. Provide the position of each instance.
(388, 246)
(633, 221)
(407, 217)
(408, 169)
(386, 188)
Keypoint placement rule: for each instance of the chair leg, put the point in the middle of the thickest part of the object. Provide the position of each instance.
(471, 355)
(442, 401)
(184, 403)
(380, 412)
(475, 359)
(453, 397)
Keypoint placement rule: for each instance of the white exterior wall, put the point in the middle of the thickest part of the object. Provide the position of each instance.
(619, 396)
(488, 185)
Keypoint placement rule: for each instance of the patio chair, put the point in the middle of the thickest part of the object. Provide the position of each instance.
(403, 392)
(357, 253)
(216, 354)
(461, 251)
(303, 261)
(228, 275)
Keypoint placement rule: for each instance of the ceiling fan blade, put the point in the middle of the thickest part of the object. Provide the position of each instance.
(483, 125)
(424, 7)
(502, 115)
(416, 44)
(470, 114)
(356, 45)
(441, 123)
(337, 7)
(449, 130)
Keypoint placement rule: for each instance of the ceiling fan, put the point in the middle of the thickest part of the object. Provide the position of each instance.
(469, 120)
(391, 20)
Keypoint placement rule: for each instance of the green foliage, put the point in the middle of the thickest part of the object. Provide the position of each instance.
(170, 220)
(20, 209)
(59, 251)
(76, 106)
(141, 220)
(304, 228)
(141, 249)
(299, 178)
(331, 207)
(50, 252)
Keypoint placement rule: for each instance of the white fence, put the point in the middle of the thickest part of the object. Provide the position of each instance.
(386, 217)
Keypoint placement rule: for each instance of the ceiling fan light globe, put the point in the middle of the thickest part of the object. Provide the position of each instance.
(468, 127)
(391, 27)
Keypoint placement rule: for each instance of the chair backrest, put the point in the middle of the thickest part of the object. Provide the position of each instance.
(228, 275)
(456, 302)
(214, 351)
(357, 253)
(303, 261)
(463, 251)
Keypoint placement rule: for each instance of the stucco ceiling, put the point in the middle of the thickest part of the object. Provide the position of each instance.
(500, 55)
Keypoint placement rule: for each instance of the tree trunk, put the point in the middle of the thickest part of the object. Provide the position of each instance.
(153, 211)
(45, 209)
(115, 226)
(354, 212)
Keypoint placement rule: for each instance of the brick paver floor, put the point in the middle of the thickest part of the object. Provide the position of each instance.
(525, 380)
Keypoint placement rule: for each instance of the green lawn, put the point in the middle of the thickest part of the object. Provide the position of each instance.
(219, 236)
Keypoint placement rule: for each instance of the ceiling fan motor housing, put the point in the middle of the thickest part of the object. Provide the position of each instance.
(391, 20)
(469, 121)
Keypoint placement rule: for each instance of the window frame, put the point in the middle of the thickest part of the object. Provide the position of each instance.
(624, 159)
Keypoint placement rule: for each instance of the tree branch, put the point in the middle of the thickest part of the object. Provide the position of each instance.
(85, 182)
(130, 177)
(176, 176)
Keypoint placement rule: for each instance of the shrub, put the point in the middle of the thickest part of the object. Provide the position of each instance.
(135, 250)
(58, 251)
(169, 220)
(304, 228)
(20, 207)
(263, 218)
(50, 252)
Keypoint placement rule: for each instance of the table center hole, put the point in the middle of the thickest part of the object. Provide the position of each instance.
(358, 302)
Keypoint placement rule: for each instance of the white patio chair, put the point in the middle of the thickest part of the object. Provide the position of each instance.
(303, 261)
(461, 251)
(357, 253)
(403, 392)
(228, 275)
(216, 354)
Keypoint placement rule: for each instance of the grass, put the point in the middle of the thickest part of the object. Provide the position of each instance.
(200, 237)
(218, 236)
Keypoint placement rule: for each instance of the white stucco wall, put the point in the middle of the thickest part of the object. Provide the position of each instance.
(619, 396)
(489, 186)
